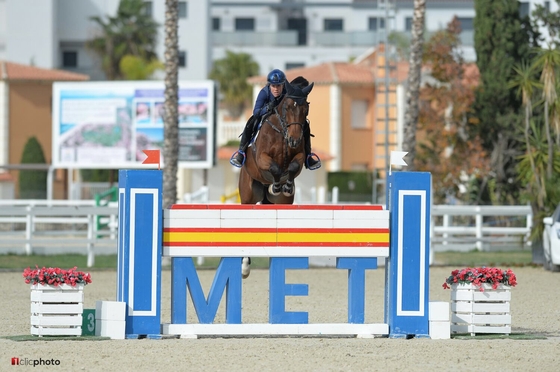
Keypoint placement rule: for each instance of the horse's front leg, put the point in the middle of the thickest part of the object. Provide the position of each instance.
(267, 165)
(294, 170)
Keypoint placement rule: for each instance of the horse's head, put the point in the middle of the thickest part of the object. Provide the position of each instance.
(293, 112)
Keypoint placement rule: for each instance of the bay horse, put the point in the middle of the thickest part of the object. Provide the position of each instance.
(276, 157)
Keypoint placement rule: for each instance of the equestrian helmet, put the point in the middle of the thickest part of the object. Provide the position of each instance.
(276, 77)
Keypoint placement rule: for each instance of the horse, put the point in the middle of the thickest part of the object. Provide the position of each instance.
(276, 157)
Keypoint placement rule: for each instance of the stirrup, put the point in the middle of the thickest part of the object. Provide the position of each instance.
(234, 156)
(313, 156)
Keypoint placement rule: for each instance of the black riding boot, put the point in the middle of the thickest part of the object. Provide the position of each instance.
(238, 157)
(312, 161)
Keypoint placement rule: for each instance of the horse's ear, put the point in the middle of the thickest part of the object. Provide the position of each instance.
(289, 88)
(307, 89)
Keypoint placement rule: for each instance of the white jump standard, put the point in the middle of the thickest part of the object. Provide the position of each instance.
(356, 234)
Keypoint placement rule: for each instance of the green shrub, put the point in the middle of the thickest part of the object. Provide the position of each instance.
(33, 182)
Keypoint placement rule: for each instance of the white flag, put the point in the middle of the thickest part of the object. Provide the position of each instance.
(397, 157)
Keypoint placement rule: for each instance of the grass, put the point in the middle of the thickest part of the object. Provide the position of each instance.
(104, 262)
(477, 258)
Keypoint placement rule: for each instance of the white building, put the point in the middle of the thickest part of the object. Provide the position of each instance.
(277, 33)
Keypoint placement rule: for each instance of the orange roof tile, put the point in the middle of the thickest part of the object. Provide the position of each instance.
(14, 71)
(328, 73)
(362, 71)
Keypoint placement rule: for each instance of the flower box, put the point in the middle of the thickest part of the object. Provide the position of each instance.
(480, 308)
(56, 310)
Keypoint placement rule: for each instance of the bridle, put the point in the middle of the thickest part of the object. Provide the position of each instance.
(297, 101)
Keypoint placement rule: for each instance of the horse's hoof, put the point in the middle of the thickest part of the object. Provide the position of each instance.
(288, 192)
(271, 190)
(245, 268)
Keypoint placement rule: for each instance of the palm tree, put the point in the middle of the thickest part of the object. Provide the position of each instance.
(231, 73)
(548, 60)
(414, 76)
(130, 32)
(525, 84)
(171, 121)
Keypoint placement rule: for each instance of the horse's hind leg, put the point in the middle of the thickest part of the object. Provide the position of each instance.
(245, 267)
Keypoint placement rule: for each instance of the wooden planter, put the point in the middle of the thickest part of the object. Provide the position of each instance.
(56, 311)
(473, 311)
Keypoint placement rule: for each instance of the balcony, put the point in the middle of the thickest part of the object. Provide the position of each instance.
(252, 38)
(289, 38)
(327, 39)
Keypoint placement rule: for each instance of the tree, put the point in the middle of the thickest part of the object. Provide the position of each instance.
(130, 32)
(446, 146)
(170, 114)
(550, 20)
(414, 76)
(526, 85)
(501, 40)
(231, 72)
(548, 60)
(136, 68)
(33, 183)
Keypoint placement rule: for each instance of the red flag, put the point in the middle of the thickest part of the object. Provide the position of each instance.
(153, 157)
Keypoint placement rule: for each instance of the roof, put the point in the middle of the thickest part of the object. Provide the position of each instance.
(361, 71)
(327, 73)
(11, 71)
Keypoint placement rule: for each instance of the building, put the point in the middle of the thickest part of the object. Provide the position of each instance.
(294, 35)
(26, 111)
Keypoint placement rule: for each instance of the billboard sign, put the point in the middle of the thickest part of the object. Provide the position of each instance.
(100, 125)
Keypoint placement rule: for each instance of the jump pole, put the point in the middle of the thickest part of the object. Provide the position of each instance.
(407, 265)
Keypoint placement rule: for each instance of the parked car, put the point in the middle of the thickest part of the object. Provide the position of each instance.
(551, 241)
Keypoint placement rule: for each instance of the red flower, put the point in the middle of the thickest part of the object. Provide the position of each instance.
(55, 276)
(479, 276)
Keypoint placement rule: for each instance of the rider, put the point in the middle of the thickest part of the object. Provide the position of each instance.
(268, 98)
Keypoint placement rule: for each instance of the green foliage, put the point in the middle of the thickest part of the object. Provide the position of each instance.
(502, 39)
(231, 72)
(33, 183)
(550, 20)
(352, 186)
(130, 32)
(99, 175)
(137, 68)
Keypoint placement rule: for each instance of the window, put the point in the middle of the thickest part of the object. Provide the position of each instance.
(523, 9)
(290, 65)
(216, 24)
(244, 24)
(408, 24)
(182, 59)
(148, 8)
(466, 24)
(70, 58)
(333, 24)
(182, 9)
(373, 24)
(547, 5)
(359, 114)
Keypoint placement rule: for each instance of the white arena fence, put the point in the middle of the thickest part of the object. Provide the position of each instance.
(70, 226)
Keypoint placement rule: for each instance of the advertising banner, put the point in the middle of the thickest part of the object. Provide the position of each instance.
(100, 125)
